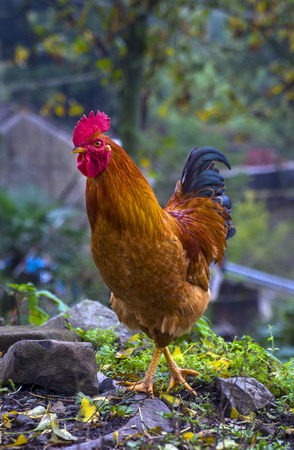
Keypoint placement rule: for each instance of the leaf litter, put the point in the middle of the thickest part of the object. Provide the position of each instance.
(29, 419)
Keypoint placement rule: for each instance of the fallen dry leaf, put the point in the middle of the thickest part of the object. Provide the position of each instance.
(21, 440)
(64, 434)
(88, 412)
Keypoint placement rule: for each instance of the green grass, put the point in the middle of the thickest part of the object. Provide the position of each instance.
(200, 349)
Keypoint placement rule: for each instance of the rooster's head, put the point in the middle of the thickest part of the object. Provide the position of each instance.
(89, 142)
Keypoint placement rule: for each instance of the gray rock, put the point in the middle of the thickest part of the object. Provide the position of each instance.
(92, 445)
(63, 367)
(23, 420)
(244, 394)
(89, 315)
(145, 419)
(106, 385)
(11, 335)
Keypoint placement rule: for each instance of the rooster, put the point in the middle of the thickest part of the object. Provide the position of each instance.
(155, 261)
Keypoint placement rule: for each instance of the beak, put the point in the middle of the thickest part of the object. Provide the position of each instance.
(77, 149)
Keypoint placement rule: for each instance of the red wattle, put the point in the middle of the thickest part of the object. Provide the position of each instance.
(92, 164)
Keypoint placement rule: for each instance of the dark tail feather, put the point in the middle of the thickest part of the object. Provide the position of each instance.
(201, 177)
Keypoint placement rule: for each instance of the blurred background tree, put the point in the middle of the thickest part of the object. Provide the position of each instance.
(211, 72)
(213, 60)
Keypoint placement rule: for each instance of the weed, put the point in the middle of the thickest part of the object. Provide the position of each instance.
(28, 293)
(202, 350)
(197, 422)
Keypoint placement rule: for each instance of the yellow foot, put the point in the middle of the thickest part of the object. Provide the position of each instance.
(144, 385)
(177, 375)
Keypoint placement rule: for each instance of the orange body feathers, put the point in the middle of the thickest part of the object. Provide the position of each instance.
(155, 261)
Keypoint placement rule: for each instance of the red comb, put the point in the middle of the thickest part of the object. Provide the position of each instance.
(87, 126)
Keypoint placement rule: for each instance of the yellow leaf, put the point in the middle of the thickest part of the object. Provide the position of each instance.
(213, 355)
(292, 410)
(275, 90)
(170, 51)
(207, 114)
(21, 440)
(134, 338)
(163, 110)
(234, 414)
(104, 64)
(75, 109)
(145, 163)
(221, 364)
(157, 430)
(210, 440)
(289, 75)
(6, 421)
(115, 437)
(171, 400)
(64, 434)
(125, 354)
(60, 97)
(88, 412)
(129, 351)
(248, 418)
(46, 109)
(21, 55)
(261, 6)
(59, 110)
(207, 436)
(121, 355)
(178, 354)
(46, 422)
(189, 435)
(191, 412)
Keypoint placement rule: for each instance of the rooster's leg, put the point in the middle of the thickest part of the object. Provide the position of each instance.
(146, 385)
(178, 375)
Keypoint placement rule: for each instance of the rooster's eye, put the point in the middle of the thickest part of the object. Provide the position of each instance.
(97, 143)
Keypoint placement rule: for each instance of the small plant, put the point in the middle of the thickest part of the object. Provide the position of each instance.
(202, 350)
(98, 337)
(28, 293)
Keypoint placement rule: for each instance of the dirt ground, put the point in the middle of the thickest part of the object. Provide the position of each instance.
(21, 429)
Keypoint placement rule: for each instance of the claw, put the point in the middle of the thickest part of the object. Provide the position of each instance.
(177, 375)
(144, 385)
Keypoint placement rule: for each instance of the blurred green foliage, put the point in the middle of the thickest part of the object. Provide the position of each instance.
(212, 61)
(27, 293)
(259, 243)
(35, 228)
